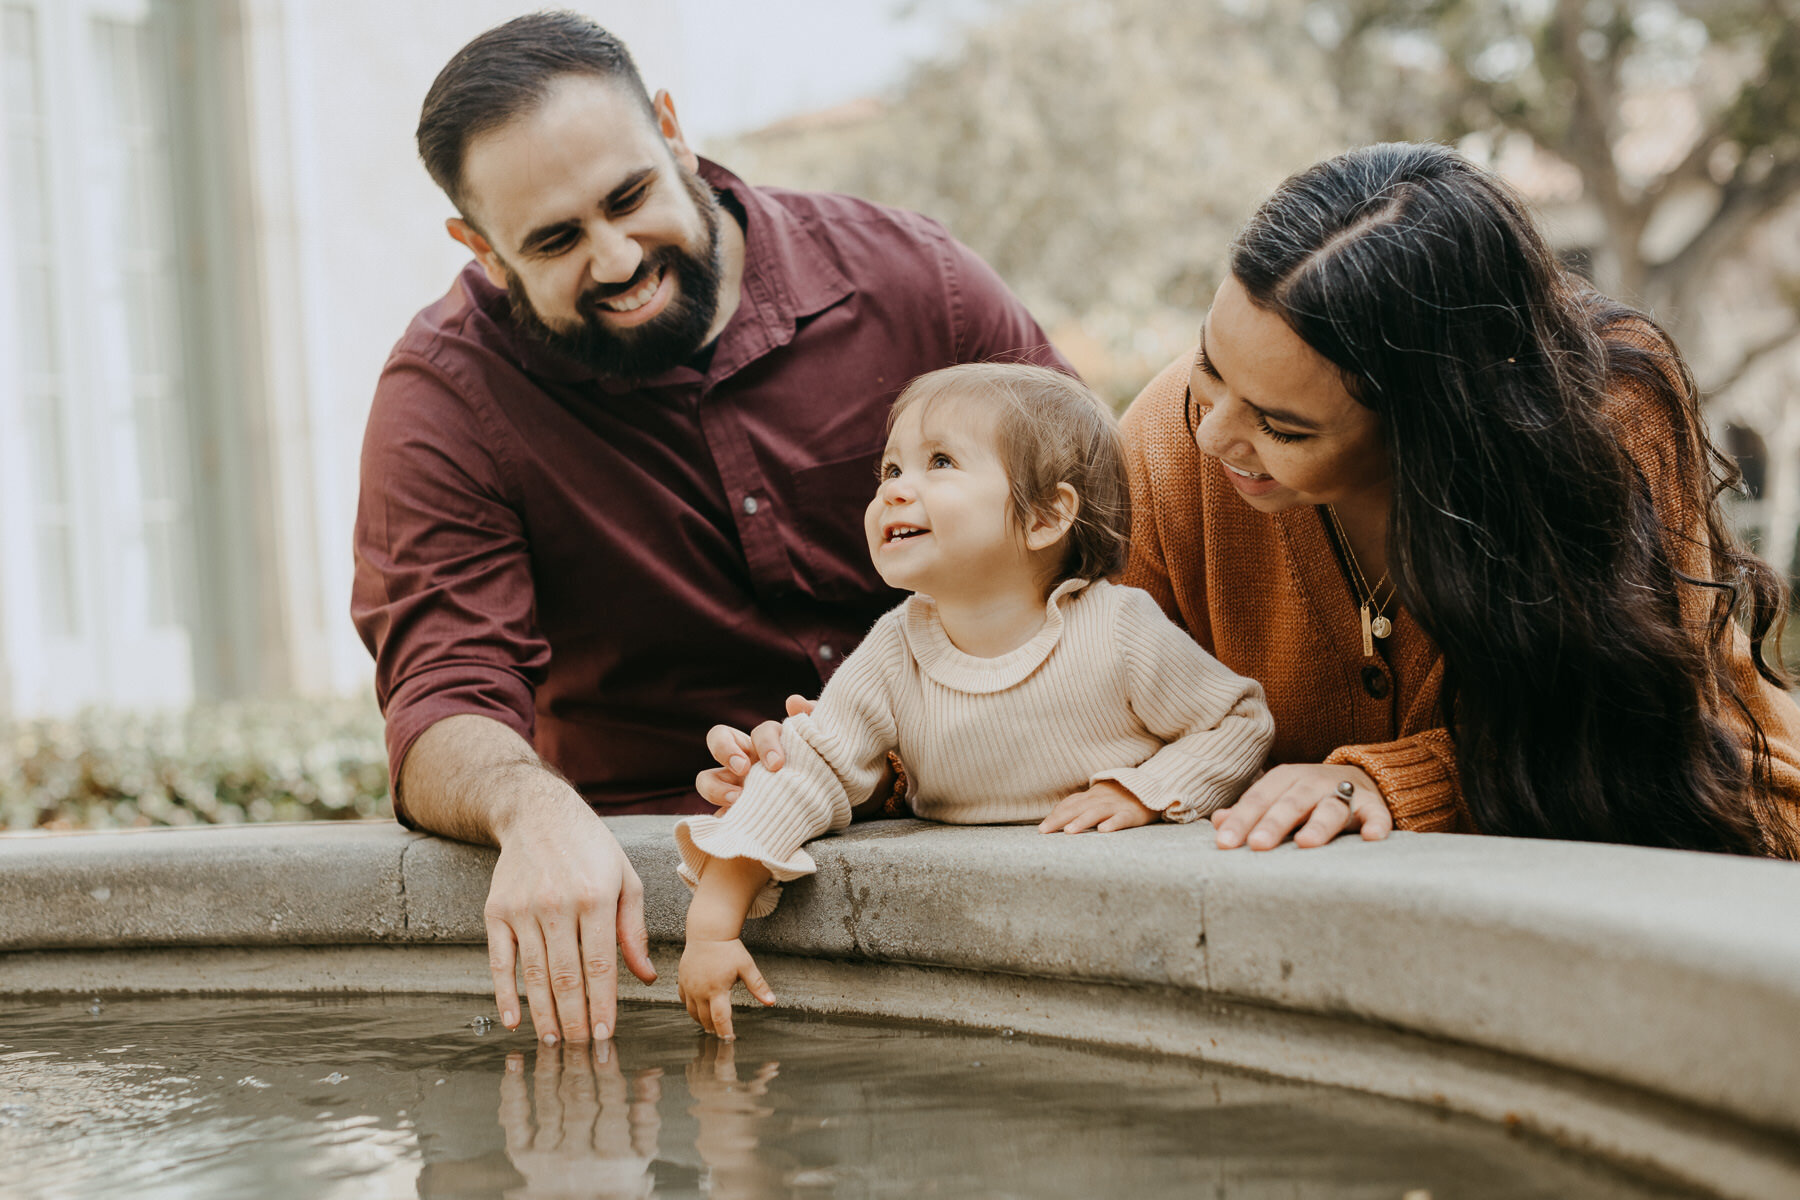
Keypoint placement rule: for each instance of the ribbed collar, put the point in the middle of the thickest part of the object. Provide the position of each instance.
(944, 664)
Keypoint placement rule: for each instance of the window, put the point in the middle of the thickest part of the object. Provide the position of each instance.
(95, 516)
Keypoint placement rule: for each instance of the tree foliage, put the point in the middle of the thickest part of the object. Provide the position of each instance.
(1098, 153)
(1681, 116)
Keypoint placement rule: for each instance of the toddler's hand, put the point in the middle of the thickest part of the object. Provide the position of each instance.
(708, 972)
(1106, 806)
(734, 751)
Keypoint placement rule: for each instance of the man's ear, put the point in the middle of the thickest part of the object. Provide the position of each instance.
(484, 253)
(669, 126)
(1049, 524)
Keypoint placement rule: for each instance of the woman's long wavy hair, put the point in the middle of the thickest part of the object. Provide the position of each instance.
(1522, 536)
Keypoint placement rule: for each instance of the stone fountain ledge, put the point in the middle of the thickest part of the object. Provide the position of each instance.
(1640, 1003)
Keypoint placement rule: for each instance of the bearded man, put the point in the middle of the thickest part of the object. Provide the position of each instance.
(613, 482)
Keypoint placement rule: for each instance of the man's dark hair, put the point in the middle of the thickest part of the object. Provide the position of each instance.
(505, 73)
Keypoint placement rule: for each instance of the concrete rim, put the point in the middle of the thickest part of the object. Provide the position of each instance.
(1641, 1004)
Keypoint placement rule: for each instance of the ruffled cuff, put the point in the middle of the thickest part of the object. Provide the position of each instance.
(1418, 780)
(701, 839)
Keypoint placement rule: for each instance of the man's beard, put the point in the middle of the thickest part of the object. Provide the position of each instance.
(666, 340)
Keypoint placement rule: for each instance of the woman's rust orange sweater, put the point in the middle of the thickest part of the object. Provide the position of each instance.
(1265, 594)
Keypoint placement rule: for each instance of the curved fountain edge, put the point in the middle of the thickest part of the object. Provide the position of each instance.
(1670, 973)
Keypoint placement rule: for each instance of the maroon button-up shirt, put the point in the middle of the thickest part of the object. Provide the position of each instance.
(611, 569)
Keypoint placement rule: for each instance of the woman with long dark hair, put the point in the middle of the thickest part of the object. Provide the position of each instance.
(1459, 514)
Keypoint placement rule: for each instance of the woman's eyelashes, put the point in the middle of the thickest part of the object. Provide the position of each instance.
(1205, 365)
(1262, 422)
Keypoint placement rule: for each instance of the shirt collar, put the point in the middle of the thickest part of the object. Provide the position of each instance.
(787, 276)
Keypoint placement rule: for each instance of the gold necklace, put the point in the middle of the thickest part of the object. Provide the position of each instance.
(1370, 603)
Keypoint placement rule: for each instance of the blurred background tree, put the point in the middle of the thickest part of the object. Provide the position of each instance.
(1681, 119)
(1100, 153)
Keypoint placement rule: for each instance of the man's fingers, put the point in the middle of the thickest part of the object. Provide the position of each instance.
(500, 964)
(599, 970)
(730, 748)
(720, 1010)
(567, 972)
(535, 973)
(634, 941)
(766, 741)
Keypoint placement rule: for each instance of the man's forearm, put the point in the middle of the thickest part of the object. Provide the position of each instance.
(470, 777)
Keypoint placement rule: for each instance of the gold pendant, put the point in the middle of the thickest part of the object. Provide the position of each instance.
(1368, 641)
(1381, 627)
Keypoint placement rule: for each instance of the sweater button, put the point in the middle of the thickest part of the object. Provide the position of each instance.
(1375, 682)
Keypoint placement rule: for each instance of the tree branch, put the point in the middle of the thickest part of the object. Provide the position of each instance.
(1741, 205)
(1754, 355)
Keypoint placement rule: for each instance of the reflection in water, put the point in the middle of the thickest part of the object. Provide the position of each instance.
(580, 1128)
(403, 1096)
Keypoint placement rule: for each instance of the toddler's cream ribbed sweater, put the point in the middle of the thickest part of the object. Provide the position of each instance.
(1109, 688)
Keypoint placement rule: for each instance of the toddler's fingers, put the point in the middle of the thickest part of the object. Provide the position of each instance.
(765, 742)
(799, 705)
(1086, 819)
(720, 1012)
(1059, 816)
(758, 986)
(730, 748)
(719, 787)
(1119, 820)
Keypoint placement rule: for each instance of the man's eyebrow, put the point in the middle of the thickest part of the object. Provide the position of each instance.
(629, 184)
(1279, 415)
(545, 233)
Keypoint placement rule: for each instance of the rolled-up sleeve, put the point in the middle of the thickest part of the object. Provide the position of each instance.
(443, 588)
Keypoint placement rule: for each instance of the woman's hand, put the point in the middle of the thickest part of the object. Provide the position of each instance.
(1106, 806)
(734, 751)
(709, 970)
(1303, 796)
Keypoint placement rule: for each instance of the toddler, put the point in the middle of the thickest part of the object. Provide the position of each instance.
(1015, 684)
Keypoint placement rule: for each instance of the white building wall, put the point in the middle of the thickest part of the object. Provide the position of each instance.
(319, 235)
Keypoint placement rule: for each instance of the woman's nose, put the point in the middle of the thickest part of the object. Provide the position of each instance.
(1216, 433)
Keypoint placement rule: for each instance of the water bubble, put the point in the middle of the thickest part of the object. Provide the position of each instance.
(334, 1077)
(481, 1024)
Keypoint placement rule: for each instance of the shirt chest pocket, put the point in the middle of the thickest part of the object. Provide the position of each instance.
(829, 549)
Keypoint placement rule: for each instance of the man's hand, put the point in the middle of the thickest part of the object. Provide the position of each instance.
(709, 970)
(734, 751)
(1304, 796)
(1106, 806)
(561, 891)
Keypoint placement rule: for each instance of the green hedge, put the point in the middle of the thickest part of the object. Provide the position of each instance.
(219, 764)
